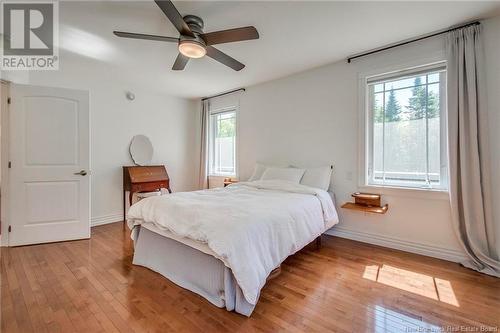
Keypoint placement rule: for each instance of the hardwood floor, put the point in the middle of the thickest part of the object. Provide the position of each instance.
(91, 286)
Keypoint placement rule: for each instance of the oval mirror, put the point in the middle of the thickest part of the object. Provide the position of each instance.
(141, 150)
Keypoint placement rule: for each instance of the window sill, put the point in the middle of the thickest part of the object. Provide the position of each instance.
(421, 193)
(223, 176)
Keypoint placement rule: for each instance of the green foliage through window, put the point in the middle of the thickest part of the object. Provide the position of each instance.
(392, 108)
(406, 135)
(423, 102)
(226, 127)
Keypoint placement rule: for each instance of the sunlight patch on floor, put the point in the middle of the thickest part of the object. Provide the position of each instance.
(413, 282)
(387, 320)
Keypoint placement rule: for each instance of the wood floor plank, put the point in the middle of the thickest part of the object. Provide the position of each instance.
(7, 305)
(346, 286)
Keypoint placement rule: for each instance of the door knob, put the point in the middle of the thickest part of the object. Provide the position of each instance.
(81, 173)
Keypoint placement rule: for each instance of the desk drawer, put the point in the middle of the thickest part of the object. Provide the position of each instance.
(148, 187)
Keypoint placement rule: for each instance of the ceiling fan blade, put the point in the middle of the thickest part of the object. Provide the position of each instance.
(175, 17)
(223, 58)
(230, 35)
(145, 36)
(180, 62)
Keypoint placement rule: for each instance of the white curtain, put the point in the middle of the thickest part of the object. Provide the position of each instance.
(470, 180)
(205, 120)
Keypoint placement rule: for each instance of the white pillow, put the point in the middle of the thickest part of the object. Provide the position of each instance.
(290, 174)
(258, 171)
(317, 177)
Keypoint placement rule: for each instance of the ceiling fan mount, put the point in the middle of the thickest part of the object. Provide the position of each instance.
(193, 47)
(193, 42)
(195, 23)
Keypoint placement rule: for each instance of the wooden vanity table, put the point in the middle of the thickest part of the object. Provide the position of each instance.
(143, 179)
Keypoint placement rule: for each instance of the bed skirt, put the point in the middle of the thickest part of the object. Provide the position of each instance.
(191, 269)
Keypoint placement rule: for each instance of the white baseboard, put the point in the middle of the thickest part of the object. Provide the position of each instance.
(111, 218)
(399, 244)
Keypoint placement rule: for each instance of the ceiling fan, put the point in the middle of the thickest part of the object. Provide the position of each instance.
(193, 42)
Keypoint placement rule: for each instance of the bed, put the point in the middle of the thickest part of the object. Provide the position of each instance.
(223, 243)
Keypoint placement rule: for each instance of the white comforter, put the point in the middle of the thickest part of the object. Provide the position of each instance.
(253, 226)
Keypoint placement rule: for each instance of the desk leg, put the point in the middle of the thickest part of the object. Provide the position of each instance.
(124, 208)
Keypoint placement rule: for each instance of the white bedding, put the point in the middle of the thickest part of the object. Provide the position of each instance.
(202, 247)
(252, 226)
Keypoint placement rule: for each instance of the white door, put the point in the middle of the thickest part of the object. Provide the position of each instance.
(49, 190)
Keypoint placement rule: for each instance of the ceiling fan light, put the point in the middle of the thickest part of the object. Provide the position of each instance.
(192, 49)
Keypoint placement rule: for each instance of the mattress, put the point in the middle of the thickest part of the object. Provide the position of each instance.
(186, 241)
(205, 275)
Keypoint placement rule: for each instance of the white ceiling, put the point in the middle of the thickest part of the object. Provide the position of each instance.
(294, 36)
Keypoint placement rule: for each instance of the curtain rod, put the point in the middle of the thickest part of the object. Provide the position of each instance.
(413, 40)
(222, 94)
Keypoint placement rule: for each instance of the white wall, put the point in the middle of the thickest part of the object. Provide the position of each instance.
(170, 122)
(313, 119)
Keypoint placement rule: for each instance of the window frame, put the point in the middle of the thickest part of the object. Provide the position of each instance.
(367, 157)
(211, 143)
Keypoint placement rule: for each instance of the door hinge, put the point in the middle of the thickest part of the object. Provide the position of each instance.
(8, 100)
(10, 165)
(10, 228)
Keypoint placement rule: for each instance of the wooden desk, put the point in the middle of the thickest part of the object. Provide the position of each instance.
(229, 182)
(143, 179)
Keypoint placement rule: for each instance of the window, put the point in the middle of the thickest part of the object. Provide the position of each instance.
(222, 143)
(407, 129)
